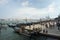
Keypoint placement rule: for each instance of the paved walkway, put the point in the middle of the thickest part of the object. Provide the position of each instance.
(54, 31)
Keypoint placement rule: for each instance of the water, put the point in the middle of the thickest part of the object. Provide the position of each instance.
(9, 34)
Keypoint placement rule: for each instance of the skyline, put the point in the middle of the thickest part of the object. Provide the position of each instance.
(29, 8)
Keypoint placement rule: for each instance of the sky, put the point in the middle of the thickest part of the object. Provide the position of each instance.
(29, 8)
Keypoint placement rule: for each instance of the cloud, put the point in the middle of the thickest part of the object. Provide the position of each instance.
(37, 13)
(31, 8)
(53, 10)
(52, 7)
(31, 11)
(25, 3)
(3, 2)
(40, 3)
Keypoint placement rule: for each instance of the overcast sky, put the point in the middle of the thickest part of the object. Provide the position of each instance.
(29, 8)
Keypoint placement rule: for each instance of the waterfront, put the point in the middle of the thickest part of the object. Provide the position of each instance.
(9, 34)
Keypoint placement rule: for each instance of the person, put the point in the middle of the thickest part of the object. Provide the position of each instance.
(45, 31)
(58, 25)
(0, 28)
(46, 26)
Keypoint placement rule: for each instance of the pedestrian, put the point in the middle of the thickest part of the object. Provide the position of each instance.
(0, 28)
(46, 26)
(58, 25)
